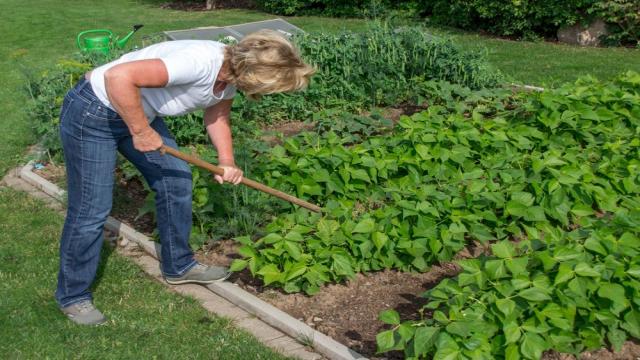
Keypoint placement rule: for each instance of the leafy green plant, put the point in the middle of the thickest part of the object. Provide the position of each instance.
(47, 93)
(486, 169)
(47, 90)
(571, 292)
(624, 19)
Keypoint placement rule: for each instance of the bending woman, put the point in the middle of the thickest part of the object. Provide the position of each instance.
(118, 107)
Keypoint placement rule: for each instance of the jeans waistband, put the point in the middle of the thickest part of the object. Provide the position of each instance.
(83, 91)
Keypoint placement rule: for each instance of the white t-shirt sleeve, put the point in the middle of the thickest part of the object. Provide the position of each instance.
(185, 68)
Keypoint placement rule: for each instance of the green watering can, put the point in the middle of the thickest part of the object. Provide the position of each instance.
(102, 40)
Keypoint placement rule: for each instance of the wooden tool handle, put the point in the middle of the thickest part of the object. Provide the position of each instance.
(248, 182)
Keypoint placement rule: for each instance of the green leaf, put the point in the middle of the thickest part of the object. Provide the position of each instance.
(511, 332)
(615, 293)
(294, 236)
(534, 294)
(524, 198)
(238, 265)
(516, 208)
(293, 249)
(617, 338)
(298, 269)
(634, 270)
(271, 238)
(342, 265)
(565, 273)
(447, 347)
(247, 251)
(390, 317)
(584, 269)
(495, 269)
(517, 265)
(360, 174)
(632, 323)
(535, 213)
(594, 245)
(512, 352)
(386, 341)
(365, 226)
(379, 239)
(424, 338)
(245, 240)
(270, 274)
(506, 306)
(532, 346)
(503, 249)
(423, 151)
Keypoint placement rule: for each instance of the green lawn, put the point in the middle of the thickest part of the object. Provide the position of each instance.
(551, 64)
(147, 319)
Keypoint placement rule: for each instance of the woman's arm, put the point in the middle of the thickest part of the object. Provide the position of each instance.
(123, 83)
(216, 120)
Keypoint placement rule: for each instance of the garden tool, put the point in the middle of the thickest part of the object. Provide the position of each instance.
(248, 182)
(102, 40)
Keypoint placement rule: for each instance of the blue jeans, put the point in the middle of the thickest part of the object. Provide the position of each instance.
(91, 135)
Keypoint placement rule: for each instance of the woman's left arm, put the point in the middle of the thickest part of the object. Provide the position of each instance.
(218, 124)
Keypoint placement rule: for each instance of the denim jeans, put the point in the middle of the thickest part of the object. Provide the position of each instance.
(91, 135)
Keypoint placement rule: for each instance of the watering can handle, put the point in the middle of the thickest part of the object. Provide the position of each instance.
(105, 31)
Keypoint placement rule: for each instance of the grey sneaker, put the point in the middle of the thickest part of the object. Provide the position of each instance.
(84, 313)
(200, 274)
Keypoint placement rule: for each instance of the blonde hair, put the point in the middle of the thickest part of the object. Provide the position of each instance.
(265, 62)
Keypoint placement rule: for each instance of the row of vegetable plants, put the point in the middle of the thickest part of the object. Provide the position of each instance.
(555, 173)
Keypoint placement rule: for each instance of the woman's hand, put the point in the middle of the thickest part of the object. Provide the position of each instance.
(231, 175)
(147, 140)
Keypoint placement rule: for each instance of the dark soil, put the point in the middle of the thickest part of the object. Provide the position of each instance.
(347, 312)
(129, 197)
(200, 5)
(273, 132)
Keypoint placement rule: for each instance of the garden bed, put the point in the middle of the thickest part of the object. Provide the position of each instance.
(347, 312)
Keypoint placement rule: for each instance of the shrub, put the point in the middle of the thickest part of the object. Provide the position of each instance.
(356, 8)
(624, 19)
(525, 18)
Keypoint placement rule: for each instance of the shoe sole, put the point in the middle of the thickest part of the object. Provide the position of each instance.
(201, 282)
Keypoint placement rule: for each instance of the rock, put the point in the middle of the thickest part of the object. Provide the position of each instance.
(578, 34)
(317, 319)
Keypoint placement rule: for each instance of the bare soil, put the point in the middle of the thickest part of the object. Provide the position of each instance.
(272, 133)
(347, 312)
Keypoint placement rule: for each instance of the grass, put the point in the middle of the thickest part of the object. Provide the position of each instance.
(550, 64)
(147, 319)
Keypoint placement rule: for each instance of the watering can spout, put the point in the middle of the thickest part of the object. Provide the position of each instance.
(122, 42)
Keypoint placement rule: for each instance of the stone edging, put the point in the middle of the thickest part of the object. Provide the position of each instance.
(268, 313)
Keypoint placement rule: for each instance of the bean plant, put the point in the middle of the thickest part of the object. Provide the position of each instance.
(496, 167)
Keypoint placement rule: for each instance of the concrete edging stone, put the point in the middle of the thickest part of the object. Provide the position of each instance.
(268, 313)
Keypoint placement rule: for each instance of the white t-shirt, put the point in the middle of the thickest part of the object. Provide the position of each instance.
(193, 67)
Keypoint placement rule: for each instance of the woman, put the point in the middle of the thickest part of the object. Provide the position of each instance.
(119, 107)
